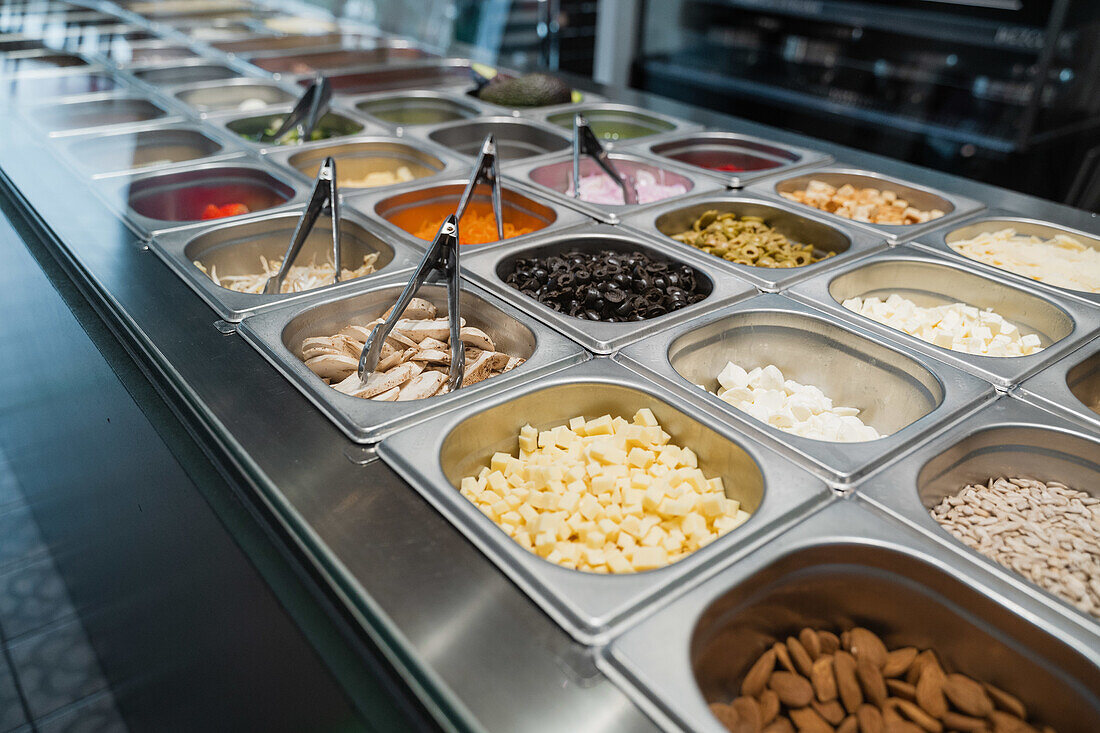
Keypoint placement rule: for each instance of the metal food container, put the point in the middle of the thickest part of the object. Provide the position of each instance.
(152, 146)
(929, 281)
(435, 455)
(751, 157)
(10, 42)
(278, 335)
(236, 246)
(844, 566)
(516, 139)
(230, 94)
(448, 73)
(614, 124)
(1069, 387)
(489, 269)
(940, 242)
(554, 175)
(358, 158)
(382, 54)
(1008, 439)
(172, 76)
(82, 113)
(847, 243)
(414, 108)
(397, 208)
(30, 62)
(902, 396)
(247, 128)
(150, 53)
(271, 44)
(952, 205)
(158, 201)
(24, 90)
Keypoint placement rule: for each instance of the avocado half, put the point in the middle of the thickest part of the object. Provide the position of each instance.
(530, 90)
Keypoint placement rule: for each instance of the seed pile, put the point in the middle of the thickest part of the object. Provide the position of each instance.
(746, 240)
(1046, 532)
(821, 682)
(607, 285)
(861, 204)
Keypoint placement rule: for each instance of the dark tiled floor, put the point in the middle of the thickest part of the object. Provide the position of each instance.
(49, 676)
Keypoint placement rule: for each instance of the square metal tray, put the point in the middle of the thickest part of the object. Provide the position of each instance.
(708, 141)
(94, 152)
(953, 205)
(930, 280)
(990, 221)
(601, 337)
(77, 115)
(216, 98)
(268, 234)
(517, 139)
(597, 111)
(436, 454)
(461, 104)
(1007, 438)
(851, 565)
(662, 220)
(380, 204)
(904, 396)
(277, 334)
(1068, 386)
(559, 168)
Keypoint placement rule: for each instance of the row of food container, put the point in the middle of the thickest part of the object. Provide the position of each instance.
(765, 343)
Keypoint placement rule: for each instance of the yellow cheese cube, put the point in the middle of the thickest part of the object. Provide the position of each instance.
(640, 457)
(648, 558)
(497, 482)
(600, 426)
(590, 507)
(645, 417)
(576, 424)
(654, 537)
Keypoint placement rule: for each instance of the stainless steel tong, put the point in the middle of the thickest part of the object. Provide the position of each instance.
(309, 110)
(442, 256)
(487, 171)
(585, 142)
(324, 192)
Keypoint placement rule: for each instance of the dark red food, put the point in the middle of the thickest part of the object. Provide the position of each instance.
(728, 167)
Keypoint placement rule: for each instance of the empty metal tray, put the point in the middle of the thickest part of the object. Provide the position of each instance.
(32, 89)
(904, 397)
(1062, 325)
(278, 335)
(516, 139)
(435, 455)
(847, 243)
(489, 268)
(142, 148)
(171, 76)
(617, 124)
(413, 108)
(272, 44)
(236, 246)
(1069, 387)
(231, 94)
(382, 54)
(83, 113)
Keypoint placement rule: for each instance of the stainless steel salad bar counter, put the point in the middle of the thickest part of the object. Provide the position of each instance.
(143, 165)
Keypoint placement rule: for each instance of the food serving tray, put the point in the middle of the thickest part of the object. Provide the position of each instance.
(1069, 386)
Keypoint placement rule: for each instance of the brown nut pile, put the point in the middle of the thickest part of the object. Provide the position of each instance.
(861, 204)
(824, 683)
(414, 361)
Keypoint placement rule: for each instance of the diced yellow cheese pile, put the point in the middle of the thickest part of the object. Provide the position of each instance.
(604, 495)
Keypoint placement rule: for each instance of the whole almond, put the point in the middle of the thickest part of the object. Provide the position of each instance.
(808, 721)
(866, 645)
(847, 684)
(964, 723)
(967, 695)
(930, 690)
(829, 642)
(917, 715)
(848, 725)
(898, 661)
(810, 641)
(870, 719)
(1006, 723)
(890, 713)
(871, 681)
(1004, 701)
(758, 674)
(846, 640)
(832, 712)
(783, 657)
(794, 691)
(801, 658)
(902, 726)
(823, 678)
(769, 706)
(725, 714)
(782, 725)
(748, 713)
(913, 673)
(902, 689)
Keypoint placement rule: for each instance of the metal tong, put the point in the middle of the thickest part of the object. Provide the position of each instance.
(309, 110)
(585, 142)
(324, 192)
(442, 256)
(487, 171)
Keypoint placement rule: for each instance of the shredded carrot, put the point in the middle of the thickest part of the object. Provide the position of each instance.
(474, 228)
